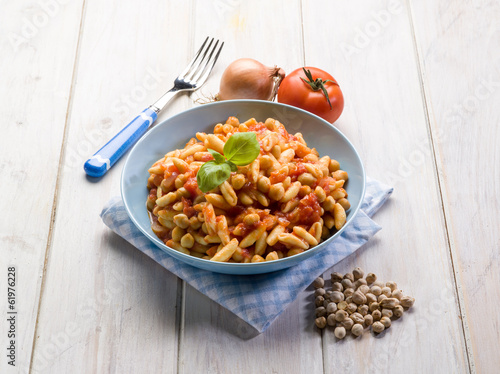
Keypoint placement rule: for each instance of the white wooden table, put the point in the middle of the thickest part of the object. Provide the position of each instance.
(421, 81)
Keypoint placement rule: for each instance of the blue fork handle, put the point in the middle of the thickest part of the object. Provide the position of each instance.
(104, 158)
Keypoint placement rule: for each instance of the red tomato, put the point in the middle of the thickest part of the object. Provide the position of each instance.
(294, 91)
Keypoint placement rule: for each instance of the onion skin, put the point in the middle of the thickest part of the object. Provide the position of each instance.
(247, 78)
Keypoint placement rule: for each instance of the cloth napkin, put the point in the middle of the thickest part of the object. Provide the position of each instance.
(258, 299)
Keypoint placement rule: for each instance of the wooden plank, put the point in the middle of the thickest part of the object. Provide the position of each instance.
(35, 84)
(221, 342)
(107, 307)
(459, 56)
(372, 56)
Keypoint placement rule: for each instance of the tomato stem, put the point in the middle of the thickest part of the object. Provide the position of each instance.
(318, 84)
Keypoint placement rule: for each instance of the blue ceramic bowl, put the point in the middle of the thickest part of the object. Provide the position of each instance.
(175, 131)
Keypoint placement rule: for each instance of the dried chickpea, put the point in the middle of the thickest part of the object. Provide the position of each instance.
(381, 297)
(348, 300)
(386, 321)
(330, 320)
(397, 294)
(337, 286)
(374, 306)
(360, 282)
(351, 308)
(378, 327)
(370, 298)
(320, 322)
(319, 301)
(340, 315)
(319, 292)
(364, 288)
(386, 291)
(319, 283)
(371, 278)
(407, 301)
(392, 285)
(347, 323)
(331, 308)
(376, 290)
(357, 318)
(328, 294)
(387, 313)
(376, 314)
(342, 305)
(349, 276)
(368, 319)
(336, 277)
(347, 283)
(389, 303)
(363, 310)
(320, 311)
(337, 297)
(398, 311)
(339, 332)
(357, 329)
(348, 292)
(358, 273)
(359, 297)
(379, 284)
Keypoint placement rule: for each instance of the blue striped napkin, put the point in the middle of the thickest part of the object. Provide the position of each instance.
(257, 299)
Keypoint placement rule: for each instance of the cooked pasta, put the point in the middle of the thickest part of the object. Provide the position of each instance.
(283, 203)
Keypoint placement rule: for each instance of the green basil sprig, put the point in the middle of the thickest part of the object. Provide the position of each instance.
(240, 150)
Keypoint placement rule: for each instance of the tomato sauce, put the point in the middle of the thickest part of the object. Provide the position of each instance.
(324, 183)
(235, 210)
(309, 210)
(244, 229)
(153, 192)
(258, 128)
(191, 186)
(294, 172)
(278, 176)
(188, 209)
(278, 247)
(246, 252)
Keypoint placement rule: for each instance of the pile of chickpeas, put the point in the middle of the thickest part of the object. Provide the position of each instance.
(355, 303)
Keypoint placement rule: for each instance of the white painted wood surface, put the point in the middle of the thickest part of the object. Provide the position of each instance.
(386, 112)
(35, 82)
(421, 81)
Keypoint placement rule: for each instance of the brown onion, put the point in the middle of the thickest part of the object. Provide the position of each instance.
(246, 78)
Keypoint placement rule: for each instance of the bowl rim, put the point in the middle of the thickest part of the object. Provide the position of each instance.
(273, 263)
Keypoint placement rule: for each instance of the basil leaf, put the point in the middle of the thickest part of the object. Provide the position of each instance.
(211, 175)
(242, 148)
(232, 166)
(219, 159)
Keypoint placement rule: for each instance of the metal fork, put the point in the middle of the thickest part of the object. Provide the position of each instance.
(192, 78)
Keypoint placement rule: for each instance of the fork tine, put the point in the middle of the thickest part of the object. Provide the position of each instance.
(194, 59)
(210, 65)
(195, 68)
(197, 74)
